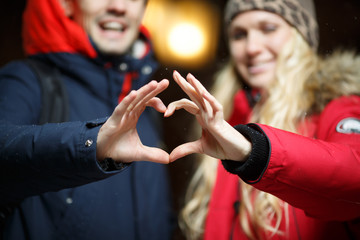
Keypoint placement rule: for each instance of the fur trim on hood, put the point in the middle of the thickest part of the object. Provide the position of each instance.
(336, 75)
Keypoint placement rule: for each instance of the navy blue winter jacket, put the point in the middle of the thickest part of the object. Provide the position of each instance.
(64, 193)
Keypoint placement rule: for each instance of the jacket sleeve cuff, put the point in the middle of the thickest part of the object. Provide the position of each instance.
(108, 165)
(253, 168)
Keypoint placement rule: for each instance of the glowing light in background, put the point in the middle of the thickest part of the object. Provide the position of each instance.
(184, 33)
(186, 40)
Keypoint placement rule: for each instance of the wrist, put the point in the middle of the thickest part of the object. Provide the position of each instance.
(108, 164)
(256, 162)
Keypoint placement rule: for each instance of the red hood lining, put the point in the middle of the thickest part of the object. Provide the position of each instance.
(47, 29)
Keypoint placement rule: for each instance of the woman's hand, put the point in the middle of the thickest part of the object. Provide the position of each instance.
(118, 137)
(218, 139)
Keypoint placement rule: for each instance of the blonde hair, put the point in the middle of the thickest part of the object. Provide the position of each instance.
(286, 105)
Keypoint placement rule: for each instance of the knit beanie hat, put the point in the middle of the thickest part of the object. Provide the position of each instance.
(299, 13)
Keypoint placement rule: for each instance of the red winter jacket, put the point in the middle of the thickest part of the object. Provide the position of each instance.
(317, 175)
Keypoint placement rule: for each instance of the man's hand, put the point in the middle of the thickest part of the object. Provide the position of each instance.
(118, 137)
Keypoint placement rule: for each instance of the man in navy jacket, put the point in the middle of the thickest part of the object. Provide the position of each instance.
(94, 176)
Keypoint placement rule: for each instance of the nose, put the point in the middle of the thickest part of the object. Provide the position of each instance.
(117, 6)
(254, 43)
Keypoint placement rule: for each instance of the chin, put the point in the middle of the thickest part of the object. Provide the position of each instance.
(114, 52)
(110, 49)
(260, 82)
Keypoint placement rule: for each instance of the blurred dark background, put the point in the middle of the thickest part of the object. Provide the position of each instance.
(338, 20)
(339, 23)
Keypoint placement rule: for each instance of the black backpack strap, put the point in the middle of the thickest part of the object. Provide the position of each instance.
(55, 106)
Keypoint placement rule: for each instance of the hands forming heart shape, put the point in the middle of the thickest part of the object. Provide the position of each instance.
(118, 137)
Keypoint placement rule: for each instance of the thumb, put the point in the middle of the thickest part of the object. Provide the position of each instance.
(185, 149)
(156, 155)
(184, 103)
(157, 104)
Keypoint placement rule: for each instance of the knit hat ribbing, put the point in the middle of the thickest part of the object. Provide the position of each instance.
(299, 13)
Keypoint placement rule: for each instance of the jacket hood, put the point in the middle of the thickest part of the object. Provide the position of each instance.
(47, 29)
(337, 75)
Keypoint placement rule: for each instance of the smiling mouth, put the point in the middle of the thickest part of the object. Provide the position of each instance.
(259, 67)
(112, 26)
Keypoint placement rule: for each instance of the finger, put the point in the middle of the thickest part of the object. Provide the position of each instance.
(141, 94)
(122, 107)
(186, 104)
(157, 155)
(185, 149)
(188, 89)
(157, 104)
(184, 85)
(198, 88)
(213, 105)
(213, 102)
(144, 98)
(131, 100)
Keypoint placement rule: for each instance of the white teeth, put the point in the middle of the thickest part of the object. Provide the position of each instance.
(257, 65)
(260, 67)
(113, 26)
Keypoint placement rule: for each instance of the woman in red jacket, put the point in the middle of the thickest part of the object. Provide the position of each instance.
(299, 159)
